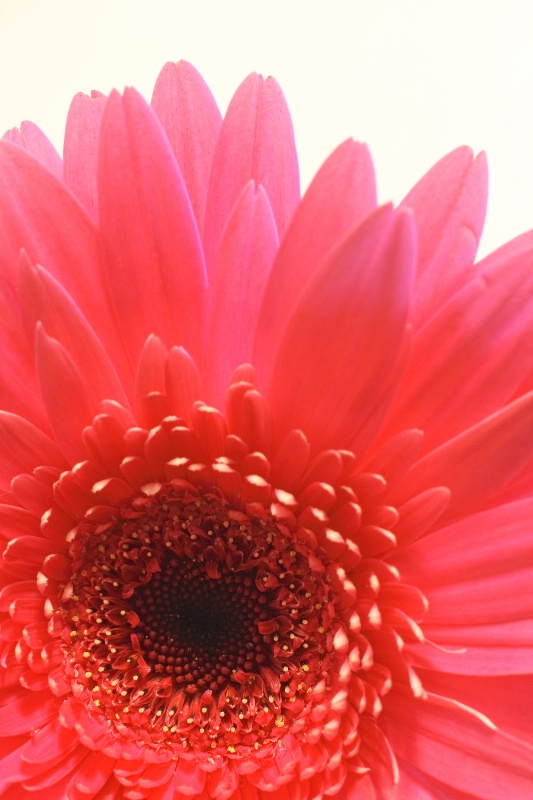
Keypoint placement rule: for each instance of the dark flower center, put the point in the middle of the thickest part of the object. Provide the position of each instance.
(199, 629)
(193, 621)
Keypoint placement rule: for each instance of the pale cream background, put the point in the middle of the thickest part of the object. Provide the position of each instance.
(413, 78)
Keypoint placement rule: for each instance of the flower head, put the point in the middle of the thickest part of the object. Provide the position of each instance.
(266, 466)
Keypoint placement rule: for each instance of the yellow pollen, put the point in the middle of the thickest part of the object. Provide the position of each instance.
(280, 722)
(231, 749)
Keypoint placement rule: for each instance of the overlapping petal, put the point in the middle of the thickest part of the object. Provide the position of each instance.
(311, 417)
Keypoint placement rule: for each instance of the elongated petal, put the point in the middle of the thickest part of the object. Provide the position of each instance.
(343, 338)
(32, 139)
(479, 462)
(449, 204)
(347, 180)
(470, 358)
(461, 648)
(507, 701)
(80, 151)
(256, 142)
(69, 403)
(18, 388)
(156, 275)
(476, 570)
(24, 447)
(39, 214)
(486, 762)
(44, 300)
(191, 120)
(240, 269)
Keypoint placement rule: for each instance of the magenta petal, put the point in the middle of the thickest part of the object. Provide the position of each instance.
(156, 275)
(32, 139)
(240, 268)
(478, 463)
(449, 204)
(458, 747)
(341, 194)
(256, 143)
(80, 151)
(191, 120)
(344, 336)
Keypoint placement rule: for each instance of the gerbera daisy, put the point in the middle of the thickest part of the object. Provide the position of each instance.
(266, 465)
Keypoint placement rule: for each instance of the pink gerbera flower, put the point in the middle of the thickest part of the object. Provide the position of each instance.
(266, 463)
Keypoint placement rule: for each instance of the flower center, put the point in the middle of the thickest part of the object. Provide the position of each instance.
(192, 621)
(199, 629)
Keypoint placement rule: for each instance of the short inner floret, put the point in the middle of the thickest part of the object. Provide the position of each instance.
(189, 620)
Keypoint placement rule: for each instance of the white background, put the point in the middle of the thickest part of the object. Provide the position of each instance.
(413, 78)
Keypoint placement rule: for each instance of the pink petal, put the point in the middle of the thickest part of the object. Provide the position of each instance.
(43, 299)
(478, 463)
(191, 120)
(32, 139)
(70, 404)
(182, 381)
(455, 745)
(449, 204)
(470, 358)
(344, 336)
(256, 142)
(417, 785)
(341, 194)
(26, 711)
(156, 274)
(80, 150)
(39, 214)
(240, 268)
(18, 388)
(504, 648)
(477, 570)
(24, 447)
(150, 375)
(507, 701)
